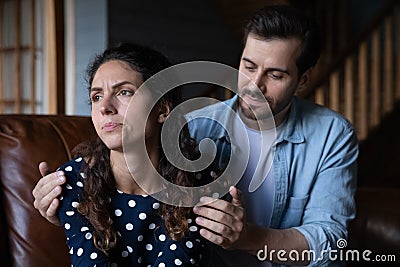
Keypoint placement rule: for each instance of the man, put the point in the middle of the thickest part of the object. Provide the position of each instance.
(302, 208)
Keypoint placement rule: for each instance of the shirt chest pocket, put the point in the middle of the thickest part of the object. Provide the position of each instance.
(293, 212)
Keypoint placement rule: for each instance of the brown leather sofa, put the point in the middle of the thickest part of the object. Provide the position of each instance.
(28, 240)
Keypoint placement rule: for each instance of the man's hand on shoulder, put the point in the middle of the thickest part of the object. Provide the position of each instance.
(46, 193)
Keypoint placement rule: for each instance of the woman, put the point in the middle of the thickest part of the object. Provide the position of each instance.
(108, 219)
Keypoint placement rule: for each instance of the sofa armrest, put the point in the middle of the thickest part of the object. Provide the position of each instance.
(27, 239)
(377, 223)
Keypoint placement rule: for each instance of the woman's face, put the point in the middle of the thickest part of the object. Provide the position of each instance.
(113, 87)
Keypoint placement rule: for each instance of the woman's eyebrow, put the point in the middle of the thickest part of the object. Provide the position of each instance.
(122, 83)
(96, 89)
(114, 86)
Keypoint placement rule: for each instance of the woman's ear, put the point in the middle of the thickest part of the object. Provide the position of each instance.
(163, 112)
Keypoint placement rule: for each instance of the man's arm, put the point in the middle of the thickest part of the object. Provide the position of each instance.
(224, 224)
(46, 193)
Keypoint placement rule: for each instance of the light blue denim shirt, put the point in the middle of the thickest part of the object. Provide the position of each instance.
(314, 168)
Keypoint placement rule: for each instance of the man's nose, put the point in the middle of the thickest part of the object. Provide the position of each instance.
(258, 81)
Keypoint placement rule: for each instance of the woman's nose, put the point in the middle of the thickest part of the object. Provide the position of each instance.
(108, 106)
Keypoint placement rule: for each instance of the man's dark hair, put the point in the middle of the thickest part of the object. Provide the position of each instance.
(283, 22)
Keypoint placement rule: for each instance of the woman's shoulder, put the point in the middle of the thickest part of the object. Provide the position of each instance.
(72, 164)
(73, 169)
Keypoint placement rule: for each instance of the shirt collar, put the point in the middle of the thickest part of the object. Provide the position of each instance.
(224, 120)
(294, 130)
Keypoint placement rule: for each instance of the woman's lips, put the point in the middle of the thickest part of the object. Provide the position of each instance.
(110, 126)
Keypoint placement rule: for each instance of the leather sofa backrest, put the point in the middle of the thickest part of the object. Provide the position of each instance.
(27, 239)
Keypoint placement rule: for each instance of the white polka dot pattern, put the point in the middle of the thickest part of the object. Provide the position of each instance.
(193, 228)
(142, 216)
(129, 226)
(79, 252)
(215, 195)
(141, 236)
(131, 203)
(189, 244)
(118, 212)
(162, 237)
(70, 213)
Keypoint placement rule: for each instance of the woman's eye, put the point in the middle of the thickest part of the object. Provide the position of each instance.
(95, 98)
(126, 92)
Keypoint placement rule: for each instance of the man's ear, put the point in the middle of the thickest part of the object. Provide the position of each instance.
(163, 111)
(304, 79)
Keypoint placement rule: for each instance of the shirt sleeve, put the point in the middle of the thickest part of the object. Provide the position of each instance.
(76, 227)
(324, 223)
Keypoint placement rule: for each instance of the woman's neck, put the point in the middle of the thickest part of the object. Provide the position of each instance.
(123, 178)
(134, 171)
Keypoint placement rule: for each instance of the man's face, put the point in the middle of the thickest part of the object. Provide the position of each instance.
(269, 65)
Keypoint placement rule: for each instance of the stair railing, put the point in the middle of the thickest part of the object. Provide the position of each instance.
(364, 82)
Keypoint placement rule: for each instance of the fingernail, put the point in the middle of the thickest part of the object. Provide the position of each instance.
(60, 176)
(199, 220)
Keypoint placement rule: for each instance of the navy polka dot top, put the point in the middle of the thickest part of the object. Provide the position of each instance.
(142, 239)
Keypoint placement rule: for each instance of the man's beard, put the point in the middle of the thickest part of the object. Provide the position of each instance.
(263, 111)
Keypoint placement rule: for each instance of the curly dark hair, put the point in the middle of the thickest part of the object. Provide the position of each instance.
(100, 182)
